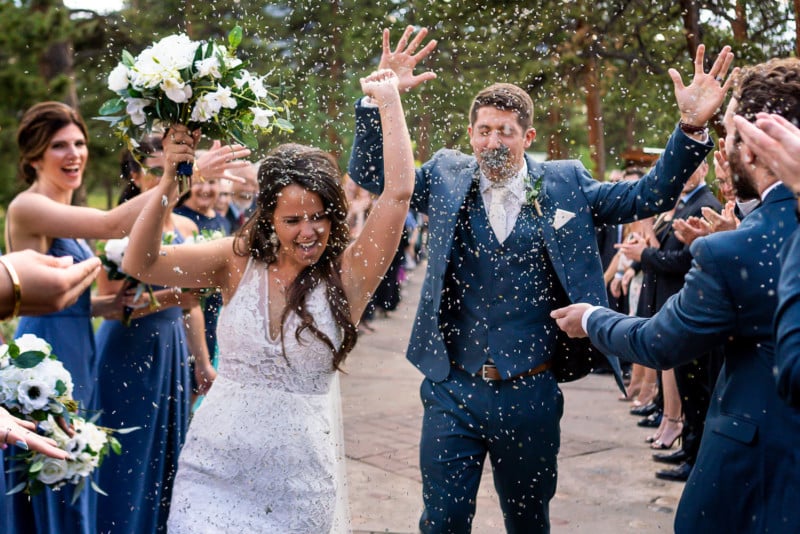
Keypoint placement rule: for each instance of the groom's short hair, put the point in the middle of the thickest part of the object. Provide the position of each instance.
(505, 97)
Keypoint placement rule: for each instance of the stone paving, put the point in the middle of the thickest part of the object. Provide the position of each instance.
(606, 483)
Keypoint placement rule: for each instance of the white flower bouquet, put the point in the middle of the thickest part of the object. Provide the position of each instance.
(110, 253)
(36, 386)
(201, 84)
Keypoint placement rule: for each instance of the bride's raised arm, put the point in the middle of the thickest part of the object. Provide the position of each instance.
(366, 259)
(202, 265)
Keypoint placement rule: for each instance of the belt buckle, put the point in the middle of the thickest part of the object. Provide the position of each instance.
(484, 367)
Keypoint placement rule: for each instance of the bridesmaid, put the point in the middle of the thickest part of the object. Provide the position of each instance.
(53, 155)
(198, 206)
(143, 381)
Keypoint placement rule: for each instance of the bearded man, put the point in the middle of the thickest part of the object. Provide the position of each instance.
(747, 475)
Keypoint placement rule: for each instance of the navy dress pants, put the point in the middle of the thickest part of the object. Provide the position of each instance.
(516, 422)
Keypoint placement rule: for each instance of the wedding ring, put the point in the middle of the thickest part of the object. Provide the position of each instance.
(720, 79)
(5, 438)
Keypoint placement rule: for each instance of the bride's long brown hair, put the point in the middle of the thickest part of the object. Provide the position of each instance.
(316, 171)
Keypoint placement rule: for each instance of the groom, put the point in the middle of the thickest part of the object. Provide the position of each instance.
(499, 262)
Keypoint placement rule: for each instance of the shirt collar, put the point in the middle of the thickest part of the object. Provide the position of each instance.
(769, 189)
(516, 184)
(685, 198)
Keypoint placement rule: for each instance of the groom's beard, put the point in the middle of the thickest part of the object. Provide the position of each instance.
(496, 163)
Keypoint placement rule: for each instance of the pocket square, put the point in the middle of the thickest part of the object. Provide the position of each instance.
(562, 217)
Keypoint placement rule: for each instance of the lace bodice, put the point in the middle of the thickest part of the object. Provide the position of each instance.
(251, 357)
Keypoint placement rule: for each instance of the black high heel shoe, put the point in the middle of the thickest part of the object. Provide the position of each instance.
(666, 440)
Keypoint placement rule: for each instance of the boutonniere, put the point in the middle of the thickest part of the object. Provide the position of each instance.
(533, 190)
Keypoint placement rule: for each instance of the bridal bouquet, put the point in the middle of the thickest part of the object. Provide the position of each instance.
(110, 254)
(201, 84)
(36, 386)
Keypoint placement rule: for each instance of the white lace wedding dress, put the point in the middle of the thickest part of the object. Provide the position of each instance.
(265, 450)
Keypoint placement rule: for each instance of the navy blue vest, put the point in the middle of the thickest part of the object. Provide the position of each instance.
(498, 297)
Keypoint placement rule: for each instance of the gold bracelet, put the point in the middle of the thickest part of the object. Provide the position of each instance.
(17, 287)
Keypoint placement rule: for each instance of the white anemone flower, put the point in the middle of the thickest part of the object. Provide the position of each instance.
(34, 394)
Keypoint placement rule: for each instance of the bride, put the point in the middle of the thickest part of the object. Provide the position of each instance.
(265, 452)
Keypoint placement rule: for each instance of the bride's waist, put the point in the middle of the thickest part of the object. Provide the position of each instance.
(282, 380)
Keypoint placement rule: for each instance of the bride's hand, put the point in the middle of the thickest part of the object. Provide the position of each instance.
(381, 86)
(179, 145)
(204, 374)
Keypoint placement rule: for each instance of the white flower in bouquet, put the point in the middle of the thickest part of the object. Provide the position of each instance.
(30, 342)
(34, 394)
(53, 471)
(31, 379)
(115, 249)
(196, 83)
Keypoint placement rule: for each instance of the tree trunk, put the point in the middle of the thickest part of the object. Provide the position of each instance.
(797, 27)
(554, 147)
(739, 24)
(335, 48)
(691, 25)
(594, 119)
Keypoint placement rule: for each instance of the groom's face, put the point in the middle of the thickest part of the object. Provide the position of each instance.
(499, 142)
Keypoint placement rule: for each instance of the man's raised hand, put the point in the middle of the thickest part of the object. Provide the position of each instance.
(702, 98)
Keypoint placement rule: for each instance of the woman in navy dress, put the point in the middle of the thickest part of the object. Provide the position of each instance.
(53, 154)
(143, 381)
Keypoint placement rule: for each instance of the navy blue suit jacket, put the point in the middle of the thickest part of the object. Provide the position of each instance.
(747, 475)
(787, 323)
(442, 185)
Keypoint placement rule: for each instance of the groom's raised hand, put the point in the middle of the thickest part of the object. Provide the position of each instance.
(403, 60)
(699, 100)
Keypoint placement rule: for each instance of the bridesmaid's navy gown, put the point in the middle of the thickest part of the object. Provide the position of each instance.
(143, 380)
(70, 334)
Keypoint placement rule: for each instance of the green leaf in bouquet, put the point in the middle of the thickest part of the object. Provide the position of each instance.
(97, 488)
(78, 489)
(29, 359)
(110, 107)
(61, 387)
(235, 38)
(36, 466)
(128, 59)
(115, 446)
(283, 124)
(16, 489)
(13, 350)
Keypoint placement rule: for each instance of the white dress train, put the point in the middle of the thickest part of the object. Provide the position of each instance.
(265, 451)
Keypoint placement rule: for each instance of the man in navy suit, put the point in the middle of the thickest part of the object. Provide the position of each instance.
(777, 141)
(747, 475)
(510, 240)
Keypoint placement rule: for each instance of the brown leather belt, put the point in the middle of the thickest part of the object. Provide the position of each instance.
(489, 372)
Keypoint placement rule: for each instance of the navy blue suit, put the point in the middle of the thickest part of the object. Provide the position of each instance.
(481, 299)
(747, 475)
(787, 323)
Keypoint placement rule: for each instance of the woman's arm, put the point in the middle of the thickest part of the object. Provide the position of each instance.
(203, 265)
(365, 261)
(32, 215)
